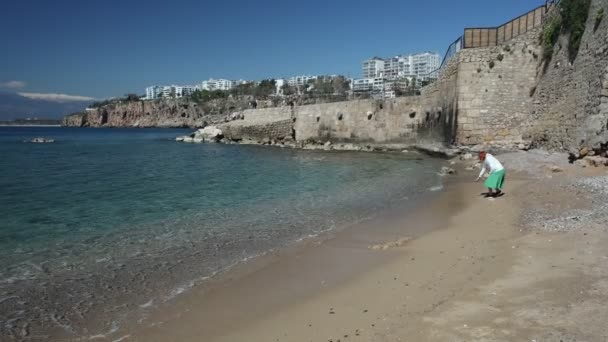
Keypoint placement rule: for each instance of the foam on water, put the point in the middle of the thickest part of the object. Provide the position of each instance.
(102, 221)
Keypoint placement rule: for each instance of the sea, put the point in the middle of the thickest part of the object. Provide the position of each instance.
(103, 225)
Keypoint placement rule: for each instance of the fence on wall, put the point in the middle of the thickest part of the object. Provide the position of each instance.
(492, 36)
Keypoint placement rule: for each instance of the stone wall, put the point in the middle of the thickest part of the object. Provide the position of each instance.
(265, 115)
(494, 90)
(359, 121)
(571, 99)
(262, 132)
(404, 120)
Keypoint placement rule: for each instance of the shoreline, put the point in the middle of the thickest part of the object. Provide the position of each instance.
(369, 244)
(30, 125)
(484, 273)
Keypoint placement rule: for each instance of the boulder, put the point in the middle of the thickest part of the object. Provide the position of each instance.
(583, 152)
(466, 156)
(596, 161)
(209, 134)
(554, 168)
(446, 171)
(40, 140)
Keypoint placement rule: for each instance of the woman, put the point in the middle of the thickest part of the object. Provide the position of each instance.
(496, 179)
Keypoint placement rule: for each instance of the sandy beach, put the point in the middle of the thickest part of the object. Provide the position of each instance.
(529, 266)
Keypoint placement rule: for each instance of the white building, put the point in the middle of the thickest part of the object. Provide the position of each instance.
(376, 84)
(172, 91)
(419, 65)
(397, 67)
(423, 64)
(279, 83)
(300, 80)
(181, 91)
(363, 84)
(220, 84)
(153, 92)
(373, 67)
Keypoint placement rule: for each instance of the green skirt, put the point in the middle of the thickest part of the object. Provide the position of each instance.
(496, 180)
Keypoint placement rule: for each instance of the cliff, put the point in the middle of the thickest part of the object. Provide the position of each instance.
(168, 113)
(165, 113)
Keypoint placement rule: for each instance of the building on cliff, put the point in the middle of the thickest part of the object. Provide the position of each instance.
(219, 84)
(172, 91)
(419, 65)
(380, 75)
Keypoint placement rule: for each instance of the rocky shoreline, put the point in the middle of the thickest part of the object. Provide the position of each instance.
(213, 134)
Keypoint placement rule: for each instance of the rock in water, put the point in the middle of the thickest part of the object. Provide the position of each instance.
(447, 171)
(208, 134)
(40, 140)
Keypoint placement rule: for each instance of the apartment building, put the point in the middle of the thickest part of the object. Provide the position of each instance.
(419, 65)
(397, 67)
(300, 80)
(423, 65)
(219, 84)
(172, 91)
(153, 92)
(375, 84)
(373, 67)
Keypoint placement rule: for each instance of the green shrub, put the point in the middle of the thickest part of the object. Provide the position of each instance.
(491, 64)
(599, 15)
(500, 56)
(574, 17)
(549, 37)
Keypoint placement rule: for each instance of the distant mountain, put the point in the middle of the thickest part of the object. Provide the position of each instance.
(14, 106)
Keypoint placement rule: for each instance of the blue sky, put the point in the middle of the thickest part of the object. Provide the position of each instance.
(106, 48)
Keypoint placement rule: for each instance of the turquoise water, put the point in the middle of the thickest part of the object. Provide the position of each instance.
(104, 223)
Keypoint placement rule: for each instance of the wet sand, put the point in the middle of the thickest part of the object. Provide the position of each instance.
(461, 268)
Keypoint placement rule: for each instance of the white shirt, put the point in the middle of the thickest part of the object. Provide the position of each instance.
(492, 164)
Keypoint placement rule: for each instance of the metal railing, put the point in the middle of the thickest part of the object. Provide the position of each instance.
(492, 36)
(449, 53)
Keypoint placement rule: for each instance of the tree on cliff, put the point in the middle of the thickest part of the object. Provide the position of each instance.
(340, 85)
(202, 96)
(288, 90)
(131, 97)
(265, 88)
(243, 89)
